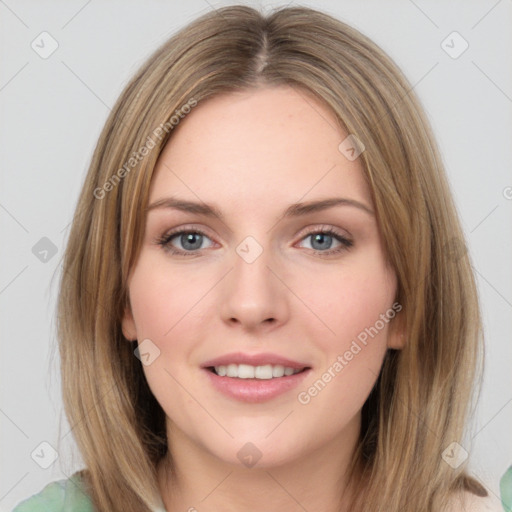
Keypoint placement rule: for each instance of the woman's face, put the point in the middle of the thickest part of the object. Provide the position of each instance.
(275, 282)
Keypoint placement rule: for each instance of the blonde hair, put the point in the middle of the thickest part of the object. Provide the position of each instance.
(423, 395)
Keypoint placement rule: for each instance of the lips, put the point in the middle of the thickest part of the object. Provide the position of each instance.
(244, 388)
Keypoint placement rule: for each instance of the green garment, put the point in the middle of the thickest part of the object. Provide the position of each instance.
(64, 496)
(60, 496)
(506, 490)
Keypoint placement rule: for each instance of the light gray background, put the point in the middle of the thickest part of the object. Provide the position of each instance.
(52, 111)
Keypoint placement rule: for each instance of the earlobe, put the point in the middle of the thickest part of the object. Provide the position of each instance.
(396, 334)
(128, 325)
(397, 342)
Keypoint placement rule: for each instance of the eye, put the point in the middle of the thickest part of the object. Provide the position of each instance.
(190, 240)
(323, 238)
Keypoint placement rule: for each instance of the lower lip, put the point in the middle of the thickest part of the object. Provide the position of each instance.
(255, 390)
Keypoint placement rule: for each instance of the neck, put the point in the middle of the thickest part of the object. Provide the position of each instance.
(195, 480)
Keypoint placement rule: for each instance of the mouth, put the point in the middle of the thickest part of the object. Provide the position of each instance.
(262, 372)
(254, 378)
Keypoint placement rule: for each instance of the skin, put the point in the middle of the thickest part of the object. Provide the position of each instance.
(252, 154)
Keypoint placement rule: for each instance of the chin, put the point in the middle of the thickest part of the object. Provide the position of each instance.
(257, 451)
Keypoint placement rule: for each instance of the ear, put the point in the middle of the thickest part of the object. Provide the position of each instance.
(128, 324)
(396, 332)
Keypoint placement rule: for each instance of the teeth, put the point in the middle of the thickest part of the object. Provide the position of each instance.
(246, 371)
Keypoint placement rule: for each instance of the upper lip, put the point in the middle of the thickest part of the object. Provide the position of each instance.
(254, 360)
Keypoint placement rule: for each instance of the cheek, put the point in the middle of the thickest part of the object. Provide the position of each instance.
(162, 304)
(166, 309)
(353, 309)
(349, 301)
(161, 299)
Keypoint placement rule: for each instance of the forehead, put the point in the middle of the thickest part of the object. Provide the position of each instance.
(258, 148)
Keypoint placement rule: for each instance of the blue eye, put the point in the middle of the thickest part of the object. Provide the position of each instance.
(192, 240)
(323, 239)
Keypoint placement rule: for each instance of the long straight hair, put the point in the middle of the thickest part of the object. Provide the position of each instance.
(424, 394)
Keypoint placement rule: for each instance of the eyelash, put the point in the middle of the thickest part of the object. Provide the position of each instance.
(165, 240)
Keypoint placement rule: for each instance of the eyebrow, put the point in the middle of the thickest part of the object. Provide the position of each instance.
(293, 210)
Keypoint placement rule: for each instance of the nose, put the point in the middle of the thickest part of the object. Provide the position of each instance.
(253, 296)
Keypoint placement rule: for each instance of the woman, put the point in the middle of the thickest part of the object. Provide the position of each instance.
(257, 369)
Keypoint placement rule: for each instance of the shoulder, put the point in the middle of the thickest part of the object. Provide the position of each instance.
(60, 496)
(468, 502)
